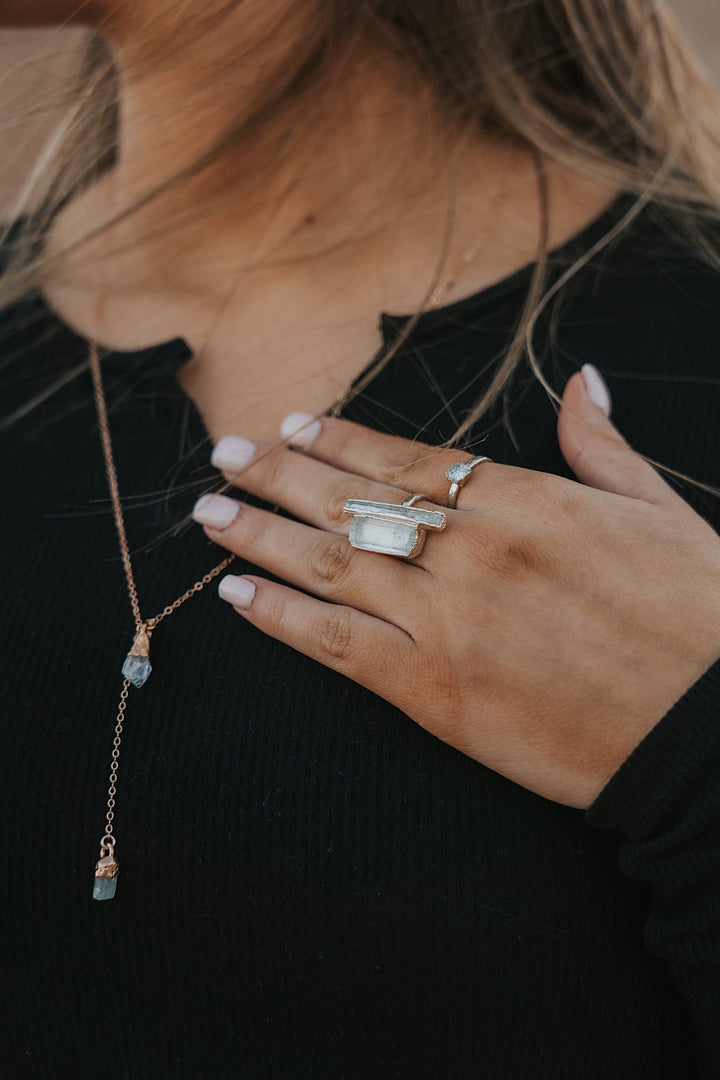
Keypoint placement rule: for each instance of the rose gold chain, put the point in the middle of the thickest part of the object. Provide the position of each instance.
(192, 591)
(107, 844)
(111, 474)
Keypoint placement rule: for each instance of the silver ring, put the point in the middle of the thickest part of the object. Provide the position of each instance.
(391, 529)
(458, 474)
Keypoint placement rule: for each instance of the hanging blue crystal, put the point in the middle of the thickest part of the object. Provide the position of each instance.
(137, 669)
(137, 665)
(104, 888)
(106, 872)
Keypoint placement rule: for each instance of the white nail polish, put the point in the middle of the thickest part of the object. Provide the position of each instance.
(233, 453)
(597, 391)
(237, 591)
(300, 430)
(217, 511)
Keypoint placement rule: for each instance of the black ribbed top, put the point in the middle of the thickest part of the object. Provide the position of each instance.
(312, 887)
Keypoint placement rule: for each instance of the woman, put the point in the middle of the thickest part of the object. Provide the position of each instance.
(447, 814)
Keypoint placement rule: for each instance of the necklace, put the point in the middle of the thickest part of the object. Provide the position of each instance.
(136, 668)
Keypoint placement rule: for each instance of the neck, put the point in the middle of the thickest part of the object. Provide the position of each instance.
(276, 281)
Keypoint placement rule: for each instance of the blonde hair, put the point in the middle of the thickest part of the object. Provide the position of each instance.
(607, 87)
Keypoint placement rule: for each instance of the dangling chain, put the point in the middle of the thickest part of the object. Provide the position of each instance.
(137, 665)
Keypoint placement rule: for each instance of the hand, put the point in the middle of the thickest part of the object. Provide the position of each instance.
(543, 633)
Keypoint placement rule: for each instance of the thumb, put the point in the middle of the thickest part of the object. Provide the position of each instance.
(594, 448)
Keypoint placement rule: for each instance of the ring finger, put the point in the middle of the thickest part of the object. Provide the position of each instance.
(318, 562)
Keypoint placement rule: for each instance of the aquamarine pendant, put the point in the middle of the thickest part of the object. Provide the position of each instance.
(106, 872)
(137, 669)
(137, 666)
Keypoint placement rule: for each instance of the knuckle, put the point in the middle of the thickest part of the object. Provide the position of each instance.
(403, 472)
(270, 468)
(336, 497)
(344, 435)
(539, 502)
(521, 555)
(335, 636)
(277, 614)
(329, 564)
(254, 532)
(397, 474)
(636, 486)
(510, 552)
(530, 488)
(557, 495)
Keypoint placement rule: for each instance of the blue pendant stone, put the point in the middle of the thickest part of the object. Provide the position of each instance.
(137, 669)
(104, 888)
(106, 872)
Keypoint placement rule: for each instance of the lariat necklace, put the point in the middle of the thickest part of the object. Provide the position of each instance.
(136, 668)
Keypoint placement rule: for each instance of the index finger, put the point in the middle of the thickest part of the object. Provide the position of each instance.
(403, 463)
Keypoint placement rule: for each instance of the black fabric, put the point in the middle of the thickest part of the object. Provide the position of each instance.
(312, 886)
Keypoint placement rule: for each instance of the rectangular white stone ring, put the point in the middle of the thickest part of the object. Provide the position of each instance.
(391, 529)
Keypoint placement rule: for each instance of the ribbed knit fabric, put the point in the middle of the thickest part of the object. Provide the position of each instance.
(311, 886)
(665, 800)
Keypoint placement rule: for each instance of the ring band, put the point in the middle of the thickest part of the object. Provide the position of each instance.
(458, 474)
(391, 529)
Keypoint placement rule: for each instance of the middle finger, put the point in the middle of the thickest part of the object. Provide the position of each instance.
(311, 490)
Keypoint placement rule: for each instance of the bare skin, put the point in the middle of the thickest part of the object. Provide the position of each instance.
(541, 636)
(539, 633)
(278, 292)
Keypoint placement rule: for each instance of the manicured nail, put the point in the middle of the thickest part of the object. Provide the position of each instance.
(300, 429)
(597, 391)
(238, 591)
(232, 452)
(217, 511)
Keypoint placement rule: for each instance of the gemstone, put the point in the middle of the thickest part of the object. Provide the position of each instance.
(458, 472)
(136, 669)
(104, 888)
(387, 537)
(106, 872)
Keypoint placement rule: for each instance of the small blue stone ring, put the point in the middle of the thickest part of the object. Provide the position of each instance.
(458, 475)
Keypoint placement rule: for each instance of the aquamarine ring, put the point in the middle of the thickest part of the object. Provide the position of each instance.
(458, 475)
(389, 528)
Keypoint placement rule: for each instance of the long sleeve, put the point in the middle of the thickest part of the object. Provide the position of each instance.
(665, 801)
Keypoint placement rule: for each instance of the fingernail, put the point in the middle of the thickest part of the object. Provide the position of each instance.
(238, 591)
(232, 452)
(597, 391)
(300, 429)
(217, 511)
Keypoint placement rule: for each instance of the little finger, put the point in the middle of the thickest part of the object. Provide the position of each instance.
(365, 649)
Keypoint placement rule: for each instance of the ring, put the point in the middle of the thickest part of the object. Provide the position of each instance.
(458, 475)
(391, 529)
